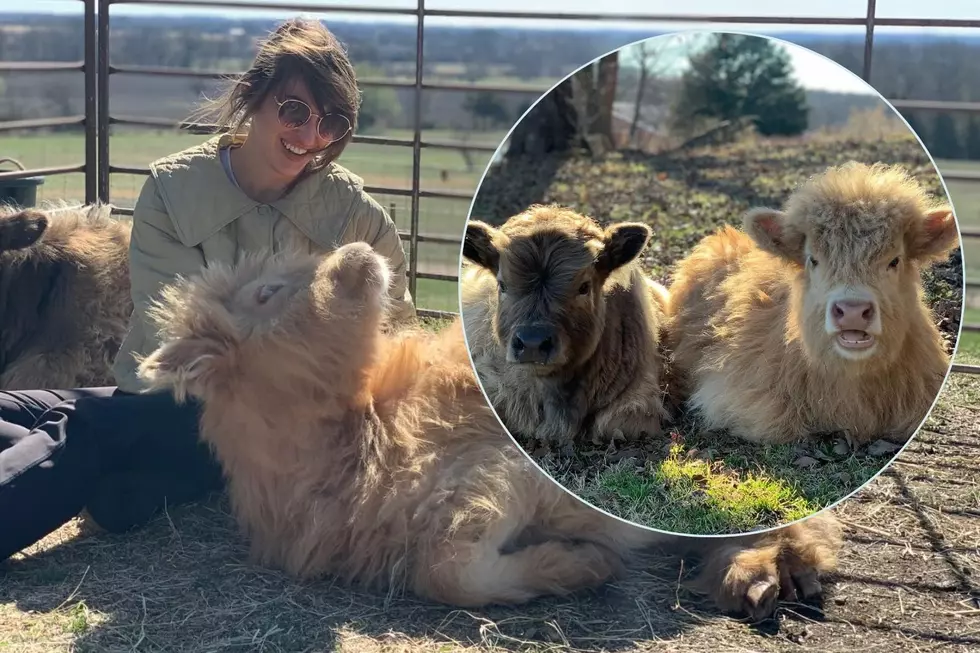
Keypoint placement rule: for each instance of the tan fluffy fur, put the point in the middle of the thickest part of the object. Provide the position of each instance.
(610, 382)
(747, 325)
(374, 457)
(64, 296)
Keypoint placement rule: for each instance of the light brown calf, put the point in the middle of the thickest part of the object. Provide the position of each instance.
(813, 320)
(374, 456)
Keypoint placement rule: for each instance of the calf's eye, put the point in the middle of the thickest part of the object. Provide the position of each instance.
(584, 288)
(501, 285)
(813, 262)
(894, 263)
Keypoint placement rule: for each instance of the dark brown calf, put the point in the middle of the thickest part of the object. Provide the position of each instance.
(64, 296)
(563, 326)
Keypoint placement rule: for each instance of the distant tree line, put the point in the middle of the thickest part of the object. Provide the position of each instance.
(905, 66)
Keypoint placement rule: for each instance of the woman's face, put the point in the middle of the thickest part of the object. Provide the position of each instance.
(285, 149)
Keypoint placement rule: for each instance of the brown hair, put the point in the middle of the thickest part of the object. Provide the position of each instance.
(298, 49)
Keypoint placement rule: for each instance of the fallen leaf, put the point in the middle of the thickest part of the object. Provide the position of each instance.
(881, 447)
(819, 454)
(806, 461)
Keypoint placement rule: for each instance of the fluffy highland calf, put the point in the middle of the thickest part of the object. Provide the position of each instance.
(373, 456)
(64, 296)
(813, 320)
(564, 327)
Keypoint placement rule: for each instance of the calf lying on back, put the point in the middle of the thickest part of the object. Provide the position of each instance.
(374, 456)
(64, 296)
(563, 326)
(813, 320)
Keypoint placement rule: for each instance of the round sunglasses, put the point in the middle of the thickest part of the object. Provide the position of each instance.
(295, 113)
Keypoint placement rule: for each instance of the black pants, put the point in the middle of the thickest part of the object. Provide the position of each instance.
(121, 456)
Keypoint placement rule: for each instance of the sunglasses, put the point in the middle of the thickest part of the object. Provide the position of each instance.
(296, 113)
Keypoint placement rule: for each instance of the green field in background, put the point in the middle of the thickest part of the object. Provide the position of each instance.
(379, 165)
(969, 344)
(966, 201)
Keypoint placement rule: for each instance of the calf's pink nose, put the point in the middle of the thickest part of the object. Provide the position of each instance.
(853, 315)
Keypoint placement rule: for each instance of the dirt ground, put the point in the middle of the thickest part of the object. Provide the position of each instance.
(909, 581)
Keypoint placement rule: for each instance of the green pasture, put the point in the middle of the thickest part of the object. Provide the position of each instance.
(380, 165)
(966, 201)
(969, 346)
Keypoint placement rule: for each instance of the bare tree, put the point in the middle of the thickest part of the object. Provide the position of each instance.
(608, 74)
(652, 62)
(593, 94)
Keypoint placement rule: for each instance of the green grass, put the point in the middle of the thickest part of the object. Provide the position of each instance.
(711, 483)
(969, 344)
(437, 295)
(685, 489)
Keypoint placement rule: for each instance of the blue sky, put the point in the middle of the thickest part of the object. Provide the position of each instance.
(822, 8)
(810, 69)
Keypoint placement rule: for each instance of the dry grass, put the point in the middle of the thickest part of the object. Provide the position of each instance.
(910, 580)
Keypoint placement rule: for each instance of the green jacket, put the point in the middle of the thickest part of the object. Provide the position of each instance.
(190, 215)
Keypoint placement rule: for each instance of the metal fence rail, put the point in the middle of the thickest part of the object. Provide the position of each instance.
(98, 117)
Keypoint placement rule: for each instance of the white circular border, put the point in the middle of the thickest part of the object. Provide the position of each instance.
(891, 461)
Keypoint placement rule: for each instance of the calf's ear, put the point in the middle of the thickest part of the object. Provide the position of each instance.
(479, 245)
(623, 243)
(185, 366)
(934, 237)
(22, 229)
(772, 232)
(195, 351)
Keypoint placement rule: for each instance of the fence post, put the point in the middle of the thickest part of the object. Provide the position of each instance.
(103, 100)
(869, 36)
(91, 106)
(413, 242)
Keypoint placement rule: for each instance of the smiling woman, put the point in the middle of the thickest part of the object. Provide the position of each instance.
(267, 183)
(271, 107)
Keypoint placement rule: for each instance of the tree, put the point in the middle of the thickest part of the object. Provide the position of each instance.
(916, 125)
(945, 142)
(606, 96)
(380, 106)
(550, 126)
(652, 60)
(486, 110)
(973, 139)
(741, 76)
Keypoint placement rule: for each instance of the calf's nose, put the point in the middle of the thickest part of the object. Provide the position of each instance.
(533, 344)
(850, 315)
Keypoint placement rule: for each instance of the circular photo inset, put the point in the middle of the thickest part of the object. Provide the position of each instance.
(711, 283)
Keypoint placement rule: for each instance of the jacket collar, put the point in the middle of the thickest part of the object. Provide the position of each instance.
(201, 200)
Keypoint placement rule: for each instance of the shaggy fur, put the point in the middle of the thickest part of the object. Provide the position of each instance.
(374, 457)
(751, 325)
(553, 269)
(64, 296)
